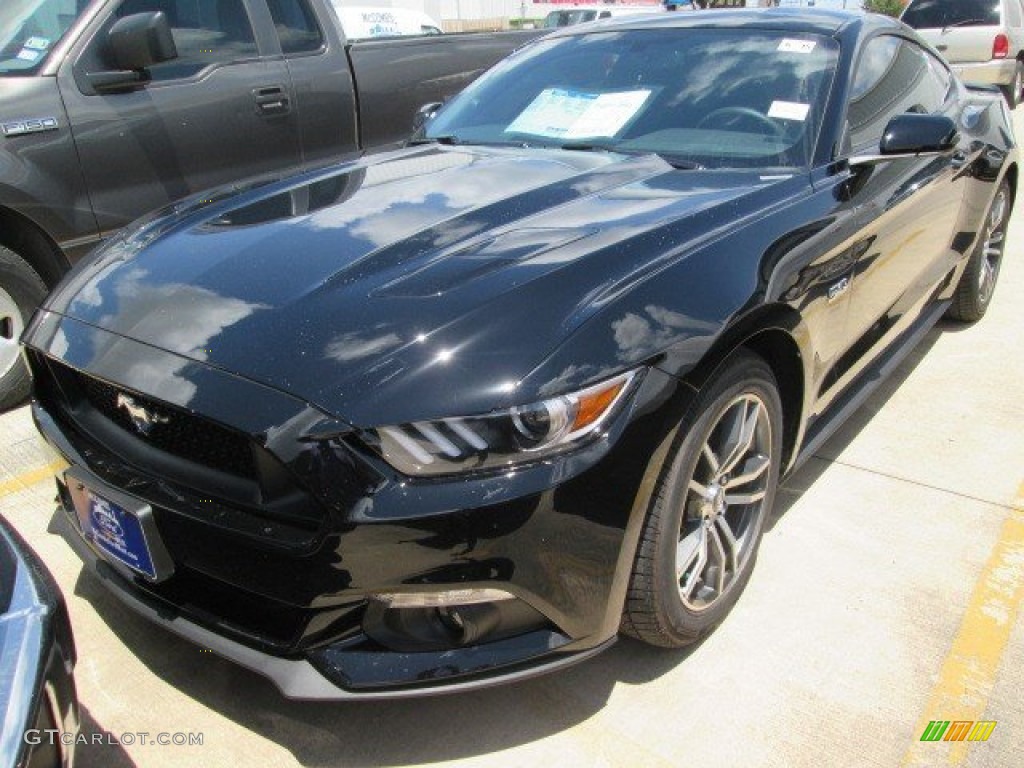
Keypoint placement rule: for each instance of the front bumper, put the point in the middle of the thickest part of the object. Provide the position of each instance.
(298, 678)
(994, 72)
(298, 597)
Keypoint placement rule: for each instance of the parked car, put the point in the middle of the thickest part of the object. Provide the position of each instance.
(364, 21)
(982, 39)
(458, 413)
(38, 705)
(580, 14)
(112, 108)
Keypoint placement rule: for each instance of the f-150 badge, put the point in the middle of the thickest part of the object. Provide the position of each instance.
(31, 125)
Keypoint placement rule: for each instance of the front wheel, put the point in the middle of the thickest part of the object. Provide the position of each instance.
(978, 282)
(21, 291)
(702, 531)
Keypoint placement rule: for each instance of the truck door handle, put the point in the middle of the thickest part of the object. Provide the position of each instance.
(271, 100)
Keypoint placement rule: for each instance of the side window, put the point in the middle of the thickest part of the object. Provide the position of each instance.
(205, 32)
(296, 24)
(893, 76)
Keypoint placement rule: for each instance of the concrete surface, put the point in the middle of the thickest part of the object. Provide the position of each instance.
(887, 594)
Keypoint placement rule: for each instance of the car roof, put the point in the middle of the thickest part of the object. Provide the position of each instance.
(806, 20)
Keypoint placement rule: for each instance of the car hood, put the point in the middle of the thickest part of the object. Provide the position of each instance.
(397, 276)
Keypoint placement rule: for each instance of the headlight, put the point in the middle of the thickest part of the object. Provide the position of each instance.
(502, 438)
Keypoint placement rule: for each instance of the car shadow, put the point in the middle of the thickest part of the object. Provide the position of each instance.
(97, 747)
(442, 727)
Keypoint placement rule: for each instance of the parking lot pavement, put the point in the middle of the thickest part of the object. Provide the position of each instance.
(887, 594)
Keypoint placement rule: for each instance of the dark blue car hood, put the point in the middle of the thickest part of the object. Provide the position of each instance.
(434, 277)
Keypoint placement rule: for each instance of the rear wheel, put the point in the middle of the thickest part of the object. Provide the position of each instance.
(21, 291)
(1012, 91)
(701, 535)
(978, 282)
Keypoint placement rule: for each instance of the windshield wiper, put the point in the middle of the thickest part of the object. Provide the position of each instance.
(680, 163)
(676, 162)
(962, 23)
(449, 140)
(585, 147)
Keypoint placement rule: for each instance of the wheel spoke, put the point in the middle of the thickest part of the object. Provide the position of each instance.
(753, 469)
(701, 553)
(743, 498)
(701, 490)
(729, 541)
(721, 557)
(741, 434)
(711, 458)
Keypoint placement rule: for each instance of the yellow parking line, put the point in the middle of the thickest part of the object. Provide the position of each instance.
(970, 668)
(30, 478)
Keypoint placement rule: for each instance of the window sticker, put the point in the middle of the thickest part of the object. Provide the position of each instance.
(788, 45)
(789, 110)
(26, 55)
(566, 114)
(37, 43)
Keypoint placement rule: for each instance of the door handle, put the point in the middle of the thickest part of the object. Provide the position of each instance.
(271, 100)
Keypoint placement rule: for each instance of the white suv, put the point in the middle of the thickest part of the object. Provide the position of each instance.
(983, 40)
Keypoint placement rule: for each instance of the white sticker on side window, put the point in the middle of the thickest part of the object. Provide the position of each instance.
(789, 110)
(567, 114)
(26, 55)
(788, 45)
(37, 43)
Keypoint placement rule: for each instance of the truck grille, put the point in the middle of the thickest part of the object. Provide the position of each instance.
(170, 429)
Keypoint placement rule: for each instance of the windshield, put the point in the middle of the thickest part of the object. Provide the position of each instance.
(30, 28)
(698, 97)
(933, 14)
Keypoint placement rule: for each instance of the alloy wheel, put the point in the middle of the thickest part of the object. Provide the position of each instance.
(992, 247)
(724, 502)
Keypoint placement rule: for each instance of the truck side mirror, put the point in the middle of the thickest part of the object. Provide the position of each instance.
(135, 43)
(424, 114)
(141, 40)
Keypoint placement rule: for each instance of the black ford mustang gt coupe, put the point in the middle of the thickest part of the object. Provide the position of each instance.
(462, 412)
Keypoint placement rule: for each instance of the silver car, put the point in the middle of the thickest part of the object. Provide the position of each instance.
(983, 40)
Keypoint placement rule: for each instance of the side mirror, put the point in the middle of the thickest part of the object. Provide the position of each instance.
(424, 114)
(141, 40)
(913, 135)
(135, 43)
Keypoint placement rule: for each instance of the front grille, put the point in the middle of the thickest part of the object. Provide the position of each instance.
(175, 431)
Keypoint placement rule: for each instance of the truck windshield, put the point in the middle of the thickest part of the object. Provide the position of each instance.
(30, 28)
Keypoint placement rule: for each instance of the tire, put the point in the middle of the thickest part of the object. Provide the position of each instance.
(1012, 91)
(978, 282)
(21, 291)
(673, 600)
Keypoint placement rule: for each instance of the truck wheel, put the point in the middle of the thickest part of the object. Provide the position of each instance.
(21, 291)
(1012, 91)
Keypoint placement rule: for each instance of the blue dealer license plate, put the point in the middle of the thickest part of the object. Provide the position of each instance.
(118, 533)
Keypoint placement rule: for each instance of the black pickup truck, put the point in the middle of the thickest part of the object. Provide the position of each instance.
(112, 108)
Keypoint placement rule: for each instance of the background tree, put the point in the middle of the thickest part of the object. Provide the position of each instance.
(888, 7)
